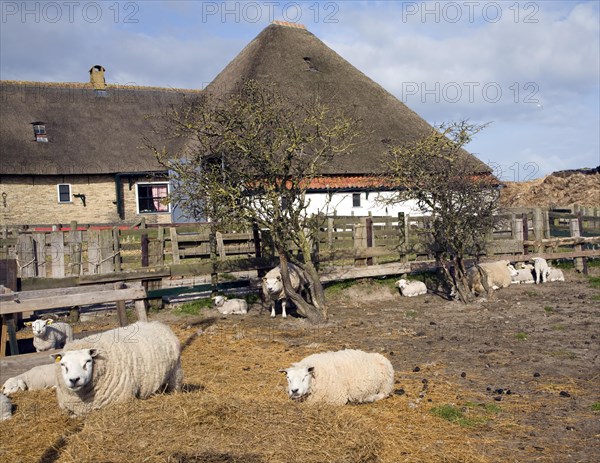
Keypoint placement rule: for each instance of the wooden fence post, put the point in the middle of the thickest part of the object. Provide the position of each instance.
(369, 237)
(144, 240)
(116, 249)
(525, 233)
(57, 253)
(538, 228)
(174, 245)
(575, 228)
(330, 250)
(360, 240)
(74, 240)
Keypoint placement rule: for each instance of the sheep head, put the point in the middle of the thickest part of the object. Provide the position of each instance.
(77, 367)
(299, 378)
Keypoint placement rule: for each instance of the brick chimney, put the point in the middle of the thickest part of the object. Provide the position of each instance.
(97, 77)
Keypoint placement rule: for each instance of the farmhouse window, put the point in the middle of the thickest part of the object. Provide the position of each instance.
(64, 192)
(152, 198)
(355, 199)
(39, 131)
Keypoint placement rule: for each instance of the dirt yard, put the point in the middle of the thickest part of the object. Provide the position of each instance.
(515, 379)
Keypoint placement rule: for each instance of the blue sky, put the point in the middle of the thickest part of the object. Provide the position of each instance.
(530, 68)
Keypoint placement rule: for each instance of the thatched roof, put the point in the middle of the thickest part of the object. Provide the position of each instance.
(303, 66)
(87, 134)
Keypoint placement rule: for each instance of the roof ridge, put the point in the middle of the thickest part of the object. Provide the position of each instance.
(84, 85)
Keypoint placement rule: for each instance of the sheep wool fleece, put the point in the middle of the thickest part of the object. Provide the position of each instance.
(349, 376)
(134, 362)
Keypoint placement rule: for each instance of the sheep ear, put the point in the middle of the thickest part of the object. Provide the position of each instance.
(311, 370)
(94, 352)
(56, 357)
(49, 322)
(282, 370)
(28, 323)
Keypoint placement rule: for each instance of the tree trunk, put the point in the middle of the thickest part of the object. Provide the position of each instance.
(305, 309)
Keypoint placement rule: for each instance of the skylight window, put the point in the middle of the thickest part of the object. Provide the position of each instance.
(39, 131)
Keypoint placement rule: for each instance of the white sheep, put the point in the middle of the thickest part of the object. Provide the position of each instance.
(40, 377)
(540, 267)
(230, 306)
(521, 276)
(555, 274)
(5, 408)
(497, 274)
(411, 288)
(346, 376)
(134, 361)
(48, 335)
(272, 286)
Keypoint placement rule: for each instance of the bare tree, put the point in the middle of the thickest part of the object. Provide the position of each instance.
(250, 157)
(451, 186)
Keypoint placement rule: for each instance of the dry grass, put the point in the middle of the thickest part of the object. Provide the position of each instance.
(235, 409)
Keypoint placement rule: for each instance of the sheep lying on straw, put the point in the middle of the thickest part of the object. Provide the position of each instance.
(346, 376)
(497, 275)
(48, 335)
(40, 377)
(411, 288)
(230, 306)
(118, 365)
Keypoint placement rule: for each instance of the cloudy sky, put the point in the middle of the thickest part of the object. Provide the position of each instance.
(530, 68)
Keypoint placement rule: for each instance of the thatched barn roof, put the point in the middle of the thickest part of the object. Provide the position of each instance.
(303, 66)
(87, 133)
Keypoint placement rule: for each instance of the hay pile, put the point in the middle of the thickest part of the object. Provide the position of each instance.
(235, 409)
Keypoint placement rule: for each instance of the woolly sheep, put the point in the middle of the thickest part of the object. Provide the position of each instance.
(498, 275)
(48, 335)
(272, 286)
(134, 361)
(411, 288)
(230, 306)
(555, 274)
(540, 267)
(346, 376)
(40, 377)
(521, 276)
(5, 408)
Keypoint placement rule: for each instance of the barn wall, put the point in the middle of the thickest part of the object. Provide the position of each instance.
(342, 204)
(29, 200)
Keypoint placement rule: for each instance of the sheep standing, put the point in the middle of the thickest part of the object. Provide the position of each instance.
(411, 288)
(134, 361)
(497, 274)
(5, 408)
(272, 286)
(230, 306)
(540, 267)
(48, 335)
(40, 377)
(522, 275)
(346, 376)
(555, 274)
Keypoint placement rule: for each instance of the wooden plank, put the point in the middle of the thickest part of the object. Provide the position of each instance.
(55, 302)
(94, 254)
(116, 249)
(175, 245)
(39, 241)
(140, 308)
(147, 273)
(75, 242)
(26, 255)
(106, 252)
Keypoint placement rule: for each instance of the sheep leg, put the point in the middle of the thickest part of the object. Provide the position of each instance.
(283, 313)
(273, 309)
(375, 397)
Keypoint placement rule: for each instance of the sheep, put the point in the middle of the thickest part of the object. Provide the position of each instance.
(411, 288)
(48, 335)
(134, 361)
(272, 286)
(540, 267)
(5, 408)
(230, 306)
(521, 276)
(498, 275)
(338, 378)
(40, 377)
(555, 274)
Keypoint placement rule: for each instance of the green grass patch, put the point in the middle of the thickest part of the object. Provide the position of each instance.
(532, 293)
(558, 327)
(595, 282)
(521, 336)
(563, 354)
(193, 307)
(596, 407)
(336, 289)
(411, 314)
(549, 310)
(595, 297)
(460, 416)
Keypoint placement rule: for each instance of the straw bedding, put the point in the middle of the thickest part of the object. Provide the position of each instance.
(235, 409)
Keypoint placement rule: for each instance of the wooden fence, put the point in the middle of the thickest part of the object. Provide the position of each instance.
(78, 251)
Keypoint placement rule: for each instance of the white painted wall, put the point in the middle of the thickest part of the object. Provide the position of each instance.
(342, 204)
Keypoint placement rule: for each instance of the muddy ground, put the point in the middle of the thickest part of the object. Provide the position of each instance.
(534, 351)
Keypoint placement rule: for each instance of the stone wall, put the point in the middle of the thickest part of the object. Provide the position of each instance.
(28, 200)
